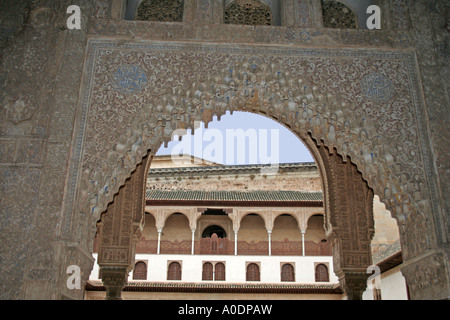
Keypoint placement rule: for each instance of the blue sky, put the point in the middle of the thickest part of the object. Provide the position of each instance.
(266, 141)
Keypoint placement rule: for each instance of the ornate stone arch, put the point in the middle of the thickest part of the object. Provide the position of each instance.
(278, 214)
(311, 214)
(248, 85)
(186, 215)
(260, 214)
(293, 215)
(161, 216)
(340, 125)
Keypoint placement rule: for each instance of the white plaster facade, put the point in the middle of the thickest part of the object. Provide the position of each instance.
(235, 267)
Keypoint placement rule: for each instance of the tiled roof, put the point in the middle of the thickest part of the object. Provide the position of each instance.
(272, 196)
(330, 288)
(218, 169)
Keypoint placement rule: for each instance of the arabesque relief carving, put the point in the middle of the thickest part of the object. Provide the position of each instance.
(320, 95)
(70, 132)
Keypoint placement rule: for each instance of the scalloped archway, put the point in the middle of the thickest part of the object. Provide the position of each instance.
(139, 96)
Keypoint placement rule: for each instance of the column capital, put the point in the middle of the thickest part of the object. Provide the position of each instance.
(114, 279)
(354, 283)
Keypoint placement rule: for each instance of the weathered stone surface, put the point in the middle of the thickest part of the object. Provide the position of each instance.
(70, 137)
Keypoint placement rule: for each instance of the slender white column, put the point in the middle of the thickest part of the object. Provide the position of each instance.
(269, 232)
(159, 241)
(193, 242)
(303, 243)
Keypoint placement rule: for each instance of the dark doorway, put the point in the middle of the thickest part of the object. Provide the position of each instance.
(208, 232)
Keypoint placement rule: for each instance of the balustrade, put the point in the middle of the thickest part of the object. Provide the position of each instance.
(223, 246)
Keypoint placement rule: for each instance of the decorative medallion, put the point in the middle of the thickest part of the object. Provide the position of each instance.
(377, 87)
(18, 109)
(129, 79)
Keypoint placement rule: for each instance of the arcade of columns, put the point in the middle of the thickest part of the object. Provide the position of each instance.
(236, 215)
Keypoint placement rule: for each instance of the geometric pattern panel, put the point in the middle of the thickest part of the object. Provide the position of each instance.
(161, 10)
(337, 15)
(250, 12)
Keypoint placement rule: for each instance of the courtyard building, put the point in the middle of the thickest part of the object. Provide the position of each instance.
(229, 232)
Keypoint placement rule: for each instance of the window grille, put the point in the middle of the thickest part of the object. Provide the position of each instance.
(220, 271)
(140, 271)
(322, 273)
(253, 272)
(250, 12)
(174, 271)
(207, 273)
(287, 272)
(161, 10)
(337, 15)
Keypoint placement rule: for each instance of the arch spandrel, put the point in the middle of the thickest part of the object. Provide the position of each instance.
(326, 94)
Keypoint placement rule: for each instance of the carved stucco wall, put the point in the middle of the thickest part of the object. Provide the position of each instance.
(370, 127)
(37, 110)
(350, 99)
(77, 136)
